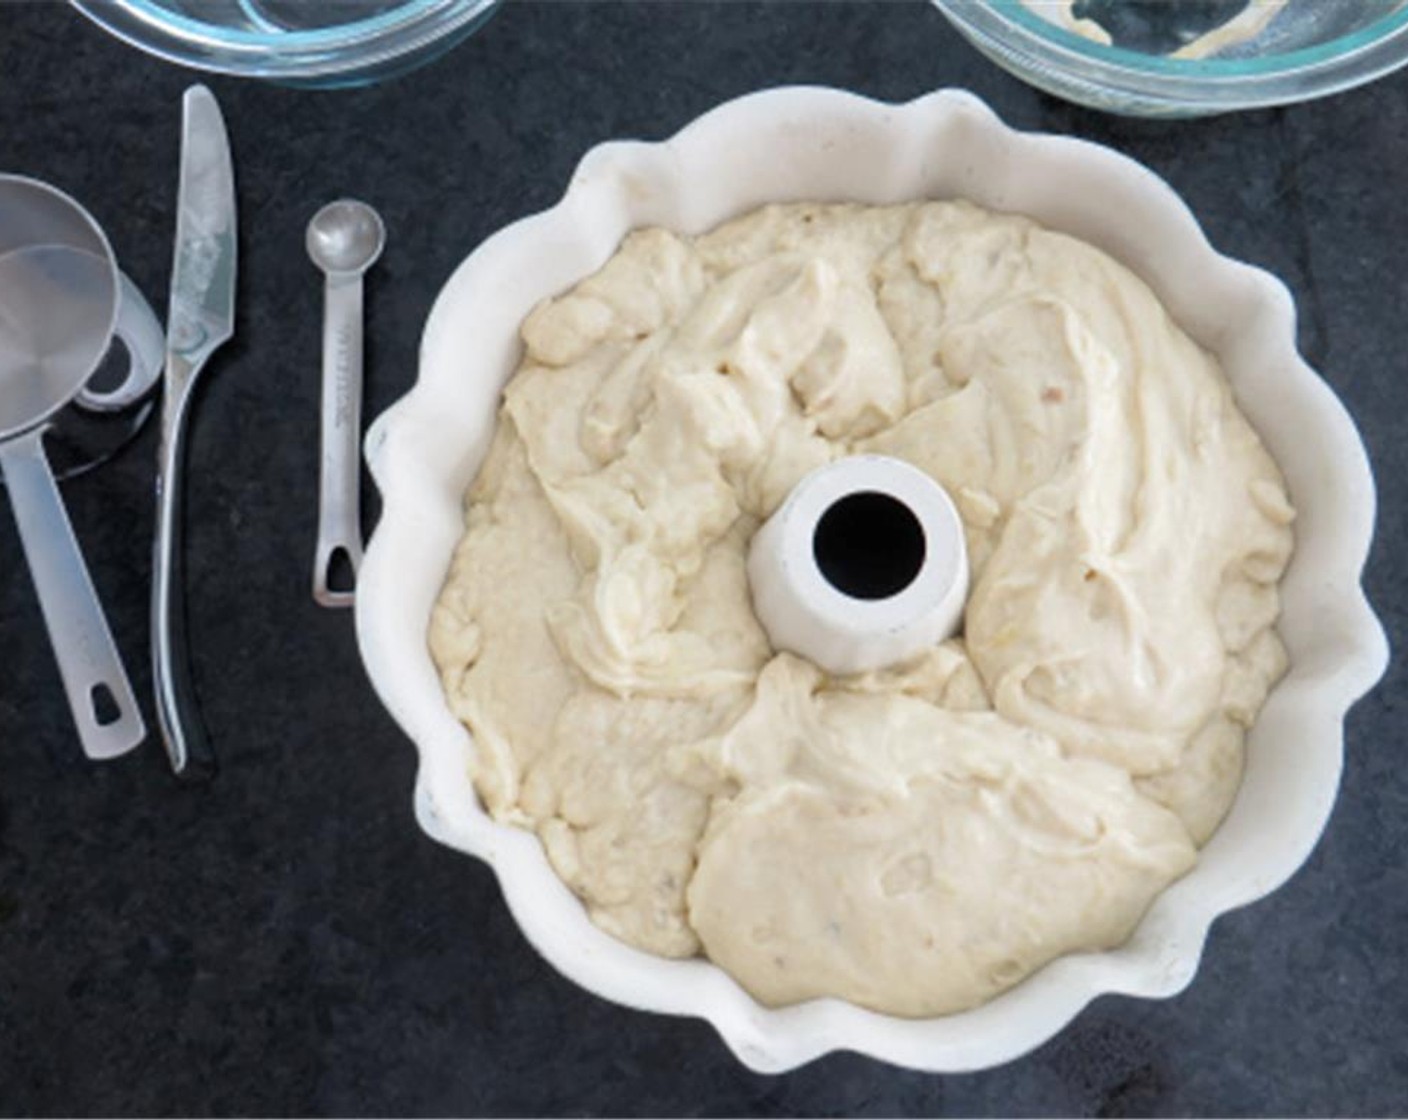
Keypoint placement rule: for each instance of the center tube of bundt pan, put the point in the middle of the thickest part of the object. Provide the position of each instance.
(862, 566)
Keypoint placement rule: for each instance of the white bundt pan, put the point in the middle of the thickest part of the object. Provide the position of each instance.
(822, 144)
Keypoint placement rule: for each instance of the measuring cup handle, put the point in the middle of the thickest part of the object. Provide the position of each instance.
(89, 663)
(141, 333)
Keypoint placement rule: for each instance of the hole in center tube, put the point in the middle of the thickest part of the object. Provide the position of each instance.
(869, 545)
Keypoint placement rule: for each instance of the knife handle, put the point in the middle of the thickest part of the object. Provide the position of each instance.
(177, 709)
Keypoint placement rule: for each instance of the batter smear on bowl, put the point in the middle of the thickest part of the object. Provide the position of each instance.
(914, 839)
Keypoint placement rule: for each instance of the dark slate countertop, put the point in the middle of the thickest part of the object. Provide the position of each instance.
(286, 939)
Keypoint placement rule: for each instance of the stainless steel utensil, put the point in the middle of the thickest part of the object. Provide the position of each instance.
(344, 239)
(60, 300)
(99, 423)
(140, 332)
(201, 317)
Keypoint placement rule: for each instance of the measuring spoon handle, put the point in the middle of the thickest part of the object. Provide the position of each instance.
(339, 470)
(99, 693)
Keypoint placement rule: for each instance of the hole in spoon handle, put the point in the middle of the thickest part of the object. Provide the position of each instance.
(335, 574)
(105, 709)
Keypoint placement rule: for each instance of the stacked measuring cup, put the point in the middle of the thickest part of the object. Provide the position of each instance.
(63, 301)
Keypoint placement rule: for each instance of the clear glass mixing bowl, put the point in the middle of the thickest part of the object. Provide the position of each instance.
(1309, 48)
(296, 42)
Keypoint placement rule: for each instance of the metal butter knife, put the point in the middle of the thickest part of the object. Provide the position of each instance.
(201, 317)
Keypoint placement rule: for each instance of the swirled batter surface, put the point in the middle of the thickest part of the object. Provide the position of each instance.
(913, 840)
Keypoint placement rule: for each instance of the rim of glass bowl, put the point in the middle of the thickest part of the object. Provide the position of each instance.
(360, 45)
(1329, 67)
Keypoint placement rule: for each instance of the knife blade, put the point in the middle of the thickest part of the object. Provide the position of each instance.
(200, 318)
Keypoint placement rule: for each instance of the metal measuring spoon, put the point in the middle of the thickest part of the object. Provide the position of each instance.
(344, 240)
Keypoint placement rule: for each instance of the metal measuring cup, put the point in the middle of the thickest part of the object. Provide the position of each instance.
(61, 303)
